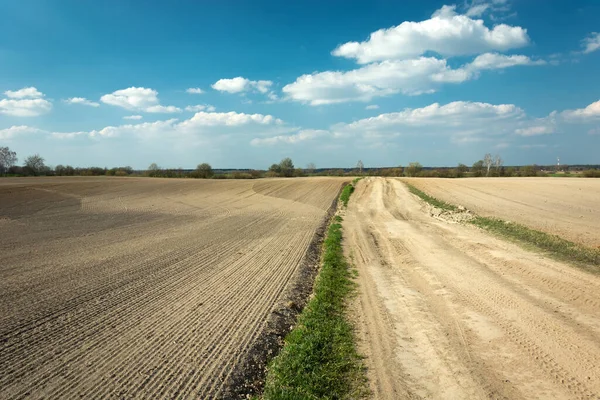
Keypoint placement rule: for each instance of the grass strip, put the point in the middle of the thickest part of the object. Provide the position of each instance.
(319, 359)
(556, 246)
(431, 200)
(346, 193)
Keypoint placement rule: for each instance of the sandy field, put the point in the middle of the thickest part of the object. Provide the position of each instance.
(568, 207)
(446, 311)
(141, 287)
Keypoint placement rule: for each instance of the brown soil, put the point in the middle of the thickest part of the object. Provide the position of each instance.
(568, 207)
(446, 311)
(146, 288)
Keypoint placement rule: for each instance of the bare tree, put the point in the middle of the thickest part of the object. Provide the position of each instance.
(35, 164)
(487, 163)
(311, 168)
(498, 162)
(359, 167)
(7, 159)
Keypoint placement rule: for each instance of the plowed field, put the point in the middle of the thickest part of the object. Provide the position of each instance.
(447, 311)
(568, 207)
(147, 288)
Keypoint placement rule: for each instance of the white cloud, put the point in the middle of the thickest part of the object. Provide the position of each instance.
(163, 109)
(194, 91)
(82, 100)
(462, 121)
(535, 130)
(25, 107)
(372, 107)
(498, 61)
(591, 43)
(477, 10)
(409, 77)
(28, 92)
(446, 33)
(133, 117)
(138, 99)
(204, 119)
(15, 131)
(301, 136)
(241, 84)
(590, 113)
(200, 107)
(208, 125)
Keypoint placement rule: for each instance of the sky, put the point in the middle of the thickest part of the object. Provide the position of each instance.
(245, 83)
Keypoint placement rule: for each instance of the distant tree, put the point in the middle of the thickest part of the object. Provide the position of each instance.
(153, 170)
(204, 171)
(461, 170)
(498, 162)
(487, 163)
(477, 168)
(359, 167)
(311, 168)
(275, 169)
(528, 170)
(299, 172)
(286, 167)
(413, 169)
(35, 164)
(8, 158)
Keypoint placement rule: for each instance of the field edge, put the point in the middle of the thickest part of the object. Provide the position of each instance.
(555, 246)
(248, 377)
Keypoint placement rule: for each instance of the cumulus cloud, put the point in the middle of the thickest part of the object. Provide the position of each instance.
(460, 121)
(15, 131)
(200, 107)
(409, 77)
(82, 101)
(194, 91)
(589, 113)
(204, 119)
(25, 107)
(138, 99)
(535, 130)
(28, 92)
(301, 136)
(498, 61)
(477, 10)
(446, 33)
(26, 102)
(210, 126)
(591, 43)
(241, 84)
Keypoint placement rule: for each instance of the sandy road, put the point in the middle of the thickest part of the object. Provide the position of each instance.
(144, 288)
(448, 312)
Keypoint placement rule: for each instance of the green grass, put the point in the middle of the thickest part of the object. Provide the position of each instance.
(555, 245)
(319, 359)
(562, 249)
(346, 193)
(431, 200)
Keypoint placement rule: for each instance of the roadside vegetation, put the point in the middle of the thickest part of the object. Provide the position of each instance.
(319, 359)
(554, 245)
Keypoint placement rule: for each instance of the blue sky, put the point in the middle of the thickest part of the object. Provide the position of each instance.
(389, 82)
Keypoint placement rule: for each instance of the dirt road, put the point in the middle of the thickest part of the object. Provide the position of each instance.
(448, 312)
(146, 288)
(568, 207)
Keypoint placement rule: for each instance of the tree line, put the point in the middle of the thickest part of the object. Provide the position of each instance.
(488, 166)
